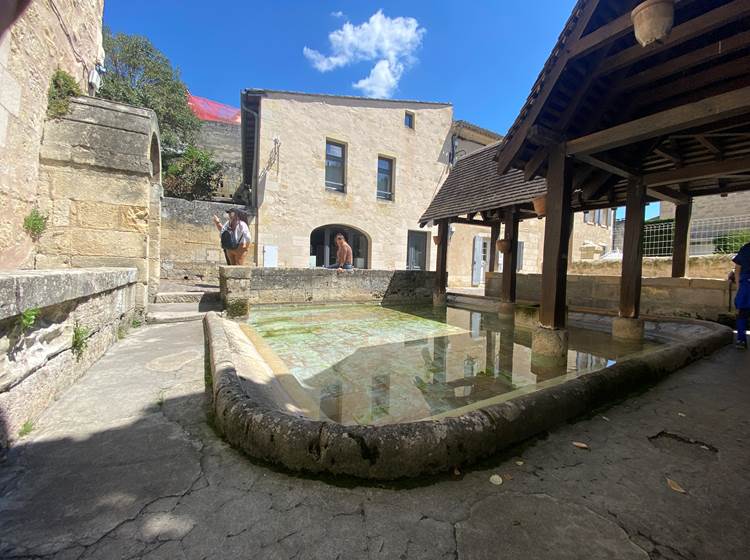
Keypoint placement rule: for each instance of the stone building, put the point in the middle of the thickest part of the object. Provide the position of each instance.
(65, 34)
(328, 163)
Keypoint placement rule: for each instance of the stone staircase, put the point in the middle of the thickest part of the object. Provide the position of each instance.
(180, 306)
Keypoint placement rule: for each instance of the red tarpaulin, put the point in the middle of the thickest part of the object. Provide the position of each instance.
(207, 110)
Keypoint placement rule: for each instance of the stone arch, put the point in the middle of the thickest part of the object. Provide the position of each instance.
(323, 248)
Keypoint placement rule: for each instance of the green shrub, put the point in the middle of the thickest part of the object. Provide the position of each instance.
(80, 340)
(194, 175)
(731, 242)
(35, 223)
(28, 318)
(62, 87)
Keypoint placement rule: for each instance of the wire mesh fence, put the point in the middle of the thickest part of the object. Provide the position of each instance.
(708, 236)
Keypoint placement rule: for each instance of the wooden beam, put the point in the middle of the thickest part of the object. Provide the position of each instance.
(532, 167)
(670, 154)
(601, 37)
(543, 136)
(441, 268)
(510, 258)
(711, 145)
(668, 195)
(592, 190)
(545, 83)
(700, 25)
(494, 235)
(470, 222)
(680, 241)
(709, 170)
(556, 235)
(608, 165)
(687, 61)
(724, 106)
(632, 251)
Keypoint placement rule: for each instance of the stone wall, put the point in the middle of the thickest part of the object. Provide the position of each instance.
(99, 183)
(224, 141)
(698, 298)
(49, 35)
(190, 247)
(714, 206)
(41, 360)
(293, 197)
(531, 234)
(704, 266)
(242, 286)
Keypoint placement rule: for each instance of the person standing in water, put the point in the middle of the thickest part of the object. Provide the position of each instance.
(741, 275)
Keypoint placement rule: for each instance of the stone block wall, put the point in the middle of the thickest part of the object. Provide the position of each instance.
(40, 361)
(699, 298)
(224, 141)
(243, 286)
(99, 184)
(190, 245)
(703, 266)
(64, 34)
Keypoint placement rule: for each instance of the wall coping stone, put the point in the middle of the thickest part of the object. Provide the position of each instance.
(24, 289)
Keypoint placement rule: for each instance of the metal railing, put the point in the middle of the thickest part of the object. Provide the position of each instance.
(708, 236)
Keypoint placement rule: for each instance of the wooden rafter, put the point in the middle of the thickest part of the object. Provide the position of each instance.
(608, 165)
(712, 169)
(668, 195)
(705, 111)
(709, 21)
(711, 145)
(602, 36)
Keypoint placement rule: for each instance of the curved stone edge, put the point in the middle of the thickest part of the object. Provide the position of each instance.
(427, 447)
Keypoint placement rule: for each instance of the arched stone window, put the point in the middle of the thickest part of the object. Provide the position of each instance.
(323, 245)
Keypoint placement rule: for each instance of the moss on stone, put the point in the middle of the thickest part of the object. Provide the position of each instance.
(238, 308)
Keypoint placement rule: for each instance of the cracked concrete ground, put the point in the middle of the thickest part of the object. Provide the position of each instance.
(124, 465)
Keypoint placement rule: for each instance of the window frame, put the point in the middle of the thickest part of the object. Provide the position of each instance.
(344, 152)
(413, 116)
(392, 161)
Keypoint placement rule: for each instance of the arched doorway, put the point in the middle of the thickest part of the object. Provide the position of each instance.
(323, 245)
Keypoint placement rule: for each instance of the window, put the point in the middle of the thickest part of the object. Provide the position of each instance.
(385, 178)
(335, 166)
(519, 258)
(409, 119)
(588, 217)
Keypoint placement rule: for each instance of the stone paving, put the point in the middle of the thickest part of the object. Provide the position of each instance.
(124, 465)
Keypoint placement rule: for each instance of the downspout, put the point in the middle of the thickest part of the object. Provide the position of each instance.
(254, 178)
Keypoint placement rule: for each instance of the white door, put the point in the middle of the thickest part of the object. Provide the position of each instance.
(270, 256)
(479, 260)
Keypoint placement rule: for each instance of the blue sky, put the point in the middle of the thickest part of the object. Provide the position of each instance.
(481, 56)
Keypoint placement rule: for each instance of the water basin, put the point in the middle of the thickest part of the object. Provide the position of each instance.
(370, 364)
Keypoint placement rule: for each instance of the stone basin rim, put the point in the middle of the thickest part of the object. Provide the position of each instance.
(410, 449)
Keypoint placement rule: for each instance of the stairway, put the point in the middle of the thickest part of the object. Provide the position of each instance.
(180, 306)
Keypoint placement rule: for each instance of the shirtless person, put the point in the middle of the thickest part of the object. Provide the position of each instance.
(344, 257)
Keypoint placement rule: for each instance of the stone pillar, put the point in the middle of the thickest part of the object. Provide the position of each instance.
(549, 349)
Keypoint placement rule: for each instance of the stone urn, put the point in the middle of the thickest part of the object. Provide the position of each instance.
(503, 245)
(540, 205)
(652, 20)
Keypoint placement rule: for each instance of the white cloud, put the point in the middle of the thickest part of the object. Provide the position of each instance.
(391, 42)
(338, 14)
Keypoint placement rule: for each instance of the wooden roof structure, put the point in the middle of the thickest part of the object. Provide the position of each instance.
(610, 122)
(676, 113)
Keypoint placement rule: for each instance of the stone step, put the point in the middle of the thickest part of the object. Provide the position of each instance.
(188, 297)
(180, 312)
(483, 303)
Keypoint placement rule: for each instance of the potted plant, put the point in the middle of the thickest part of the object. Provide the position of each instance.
(540, 205)
(652, 20)
(503, 245)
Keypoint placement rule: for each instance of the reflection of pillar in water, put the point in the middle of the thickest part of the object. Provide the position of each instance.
(380, 390)
(490, 355)
(470, 363)
(332, 402)
(505, 351)
(547, 370)
(440, 359)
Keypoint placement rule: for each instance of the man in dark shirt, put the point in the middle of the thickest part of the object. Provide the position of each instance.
(741, 275)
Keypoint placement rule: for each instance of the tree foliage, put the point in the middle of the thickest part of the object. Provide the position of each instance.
(139, 74)
(193, 175)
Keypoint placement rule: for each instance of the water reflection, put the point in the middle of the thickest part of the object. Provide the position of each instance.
(396, 365)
